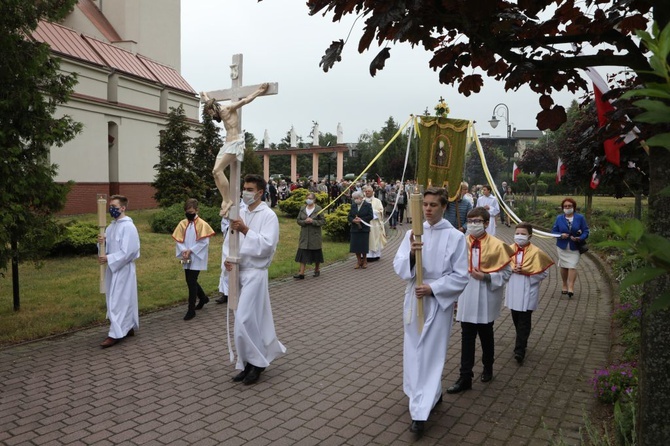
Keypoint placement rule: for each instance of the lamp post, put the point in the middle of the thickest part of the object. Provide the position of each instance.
(502, 110)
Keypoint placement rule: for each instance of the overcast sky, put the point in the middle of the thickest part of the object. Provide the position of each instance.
(282, 43)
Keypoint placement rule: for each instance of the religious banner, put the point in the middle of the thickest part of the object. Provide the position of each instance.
(442, 144)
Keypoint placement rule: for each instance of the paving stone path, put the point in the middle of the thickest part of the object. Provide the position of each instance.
(339, 384)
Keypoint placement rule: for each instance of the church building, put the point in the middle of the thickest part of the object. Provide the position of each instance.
(127, 56)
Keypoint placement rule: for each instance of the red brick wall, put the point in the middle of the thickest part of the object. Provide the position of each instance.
(82, 196)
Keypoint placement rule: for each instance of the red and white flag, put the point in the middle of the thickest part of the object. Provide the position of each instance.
(515, 172)
(595, 179)
(612, 146)
(560, 171)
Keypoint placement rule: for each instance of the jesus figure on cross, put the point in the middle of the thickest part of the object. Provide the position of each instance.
(234, 145)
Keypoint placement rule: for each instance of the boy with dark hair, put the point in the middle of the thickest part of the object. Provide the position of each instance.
(480, 303)
(192, 249)
(255, 336)
(529, 267)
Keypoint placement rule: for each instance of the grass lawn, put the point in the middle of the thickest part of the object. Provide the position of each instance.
(600, 203)
(63, 293)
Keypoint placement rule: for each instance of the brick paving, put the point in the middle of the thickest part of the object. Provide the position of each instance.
(339, 384)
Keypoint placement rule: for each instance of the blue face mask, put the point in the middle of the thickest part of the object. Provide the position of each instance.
(114, 212)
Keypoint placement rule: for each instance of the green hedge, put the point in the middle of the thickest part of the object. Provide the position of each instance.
(291, 206)
(337, 225)
(166, 220)
(76, 238)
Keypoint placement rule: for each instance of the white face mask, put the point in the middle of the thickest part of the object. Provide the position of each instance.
(476, 229)
(358, 201)
(309, 201)
(248, 197)
(568, 211)
(521, 239)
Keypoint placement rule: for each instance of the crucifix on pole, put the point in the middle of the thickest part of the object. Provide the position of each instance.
(231, 154)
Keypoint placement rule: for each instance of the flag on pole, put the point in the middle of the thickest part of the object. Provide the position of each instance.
(612, 146)
(560, 171)
(515, 172)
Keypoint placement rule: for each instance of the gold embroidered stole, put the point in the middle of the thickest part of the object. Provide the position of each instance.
(533, 259)
(494, 254)
(202, 230)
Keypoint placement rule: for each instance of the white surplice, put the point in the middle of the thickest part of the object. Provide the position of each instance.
(480, 302)
(199, 249)
(445, 269)
(377, 239)
(122, 248)
(255, 337)
(522, 292)
(494, 209)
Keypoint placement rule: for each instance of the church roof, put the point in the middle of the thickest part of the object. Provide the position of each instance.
(98, 20)
(72, 44)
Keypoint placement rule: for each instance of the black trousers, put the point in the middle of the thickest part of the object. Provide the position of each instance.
(194, 289)
(468, 340)
(522, 323)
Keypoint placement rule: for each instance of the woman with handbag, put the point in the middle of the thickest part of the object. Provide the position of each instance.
(570, 244)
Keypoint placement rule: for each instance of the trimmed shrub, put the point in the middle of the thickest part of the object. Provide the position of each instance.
(337, 225)
(291, 206)
(166, 220)
(76, 238)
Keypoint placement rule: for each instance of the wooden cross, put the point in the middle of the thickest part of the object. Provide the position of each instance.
(233, 94)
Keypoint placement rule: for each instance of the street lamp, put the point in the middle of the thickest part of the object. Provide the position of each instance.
(498, 111)
(503, 113)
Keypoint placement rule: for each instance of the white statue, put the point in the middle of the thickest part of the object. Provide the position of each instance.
(315, 135)
(294, 140)
(340, 134)
(266, 140)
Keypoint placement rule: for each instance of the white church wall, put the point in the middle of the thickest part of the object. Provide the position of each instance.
(137, 93)
(91, 80)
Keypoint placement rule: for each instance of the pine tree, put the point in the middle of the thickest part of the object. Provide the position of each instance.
(32, 88)
(205, 148)
(175, 181)
(252, 162)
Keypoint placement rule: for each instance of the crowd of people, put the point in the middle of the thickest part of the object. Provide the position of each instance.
(466, 271)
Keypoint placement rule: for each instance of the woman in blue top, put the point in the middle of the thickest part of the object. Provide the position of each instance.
(573, 229)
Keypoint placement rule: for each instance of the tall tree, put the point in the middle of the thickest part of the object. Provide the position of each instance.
(495, 160)
(32, 89)
(538, 43)
(205, 148)
(175, 180)
(252, 162)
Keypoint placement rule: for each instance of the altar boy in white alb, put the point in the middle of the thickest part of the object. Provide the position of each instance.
(445, 275)
(489, 202)
(530, 265)
(122, 249)
(479, 305)
(255, 337)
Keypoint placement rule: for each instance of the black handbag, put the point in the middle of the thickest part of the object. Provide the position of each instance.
(582, 247)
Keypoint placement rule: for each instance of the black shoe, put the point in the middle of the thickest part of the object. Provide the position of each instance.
(299, 276)
(317, 273)
(417, 427)
(519, 358)
(461, 385)
(570, 294)
(202, 302)
(486, 376)
(240, 376)
(190, 314)
(253, 375)
(222, 300)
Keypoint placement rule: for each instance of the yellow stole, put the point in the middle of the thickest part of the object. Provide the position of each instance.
(202, 229)
(494, 254)
(533, 260)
